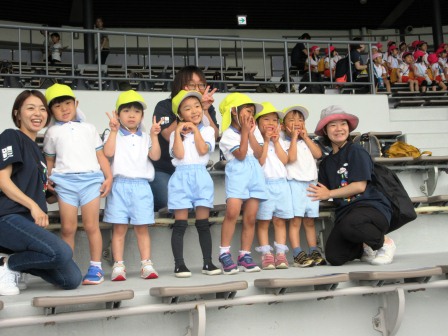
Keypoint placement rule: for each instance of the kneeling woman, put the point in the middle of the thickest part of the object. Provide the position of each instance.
(362, 212)
(23, 218)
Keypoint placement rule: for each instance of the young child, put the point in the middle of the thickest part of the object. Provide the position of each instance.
(437, 72)
(313, 59)
(191, 185)
(241, 145)
(278, 206)
(380, 73)
(421, 71)
(393, 63)
(302, 171)
(406, 72)
(80, 172)
(330, 62)
(55, 48)
(131, 201)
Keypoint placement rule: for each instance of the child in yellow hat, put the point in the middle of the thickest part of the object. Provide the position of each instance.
(278, 206)
(130, 200)
(241, 143)
(191, 186)
(80, 172)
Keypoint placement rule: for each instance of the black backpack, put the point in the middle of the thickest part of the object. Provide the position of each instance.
(370, 143)
(386, 181)
(342, 69)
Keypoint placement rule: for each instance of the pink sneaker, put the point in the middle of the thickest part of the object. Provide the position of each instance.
(280, 261)
(267, 261)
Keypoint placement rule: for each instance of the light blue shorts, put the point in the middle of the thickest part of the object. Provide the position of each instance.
(245, 179)
(189, 187)
(78, 189)
(303, 205)
(279, 202)
(129, 202)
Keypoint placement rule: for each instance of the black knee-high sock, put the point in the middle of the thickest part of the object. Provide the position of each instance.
(177, 241)
(205, 239)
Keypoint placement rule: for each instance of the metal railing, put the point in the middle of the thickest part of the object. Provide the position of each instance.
(241, 49)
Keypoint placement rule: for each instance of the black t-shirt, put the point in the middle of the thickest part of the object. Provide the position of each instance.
(163, 110)
(298, 57)
(29, 171)
(355, 56)
(352, 164)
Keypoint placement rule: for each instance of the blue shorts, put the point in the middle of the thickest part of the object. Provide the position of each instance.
(78, 189)
(189, 187)
(129, 202)
(279, 202)
(303, 205)
(245, 179)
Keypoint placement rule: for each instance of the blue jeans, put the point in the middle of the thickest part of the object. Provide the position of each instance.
(38, 252)
(159, 187)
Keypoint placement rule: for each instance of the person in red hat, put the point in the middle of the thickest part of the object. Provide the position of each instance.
(413, 46)
(402, 48)
(313, 59)
(392, 63)
(423, 47)
(437, 72)
(442, 54)
(332, 57)
(406, 72)
(421, 72)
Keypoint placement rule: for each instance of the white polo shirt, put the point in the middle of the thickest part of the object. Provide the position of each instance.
(273, 168)
(231, 140)
(75, 145)
(131, 155)
(304, 168)
(191, 155)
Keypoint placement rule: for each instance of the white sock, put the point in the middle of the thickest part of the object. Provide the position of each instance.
(96, 263)
(224, 249)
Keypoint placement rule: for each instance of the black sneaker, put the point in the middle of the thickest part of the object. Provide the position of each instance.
(317, 258)
(302, 260)
(211, 269)
(182, 272)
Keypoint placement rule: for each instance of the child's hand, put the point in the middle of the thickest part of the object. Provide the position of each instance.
(188, 127)
(114, 124)
(105, 187)
(294, 133)
(246, 124)
(155, 128)
(253, 124)
(207, 98)
(303, 133)
(275, 135)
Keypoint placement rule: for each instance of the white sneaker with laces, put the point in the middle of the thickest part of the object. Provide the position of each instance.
(147, 271)
(8, 285)
(368, 255)
(385, 254)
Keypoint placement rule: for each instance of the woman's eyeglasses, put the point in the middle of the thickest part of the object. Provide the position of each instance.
(193, 86)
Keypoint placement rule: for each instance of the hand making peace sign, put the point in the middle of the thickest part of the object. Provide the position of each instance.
(114, 123)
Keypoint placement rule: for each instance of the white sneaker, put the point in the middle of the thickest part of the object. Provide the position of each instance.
(118, 272)
(8, 285)
(368, 255)
(385, 254)
(147, 271)
(21, 279)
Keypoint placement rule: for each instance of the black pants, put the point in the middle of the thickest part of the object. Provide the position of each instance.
(363, 224)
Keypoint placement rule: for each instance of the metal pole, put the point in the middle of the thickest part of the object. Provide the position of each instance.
(288, 88)
(89, 45)
(196, 52)
(437, 32)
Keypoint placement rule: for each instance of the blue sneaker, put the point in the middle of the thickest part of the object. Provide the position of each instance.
(228, 266)
(94, 276)
(247, 263)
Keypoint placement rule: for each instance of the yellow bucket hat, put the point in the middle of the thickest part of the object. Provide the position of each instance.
(58, 90)
(234, 100)
(181, 96)
(299, 108)
(130, 97)
(269, 108)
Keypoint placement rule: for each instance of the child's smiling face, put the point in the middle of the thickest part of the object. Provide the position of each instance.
(191, 110)
(294, 120)
(268, 122)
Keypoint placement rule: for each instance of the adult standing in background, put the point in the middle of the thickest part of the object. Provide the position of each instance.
(104, 41)
(23, 184)
(188, 78)
(299, 53)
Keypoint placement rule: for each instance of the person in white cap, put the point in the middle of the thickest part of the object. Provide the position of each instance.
(363, 213)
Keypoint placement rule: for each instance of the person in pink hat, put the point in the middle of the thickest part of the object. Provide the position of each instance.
(363, 213)
(313, 59)
(392, 63)
(421, 71)
(380, 73)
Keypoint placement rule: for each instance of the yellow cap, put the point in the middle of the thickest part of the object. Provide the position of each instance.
(235, 99)
(58, 90)
(299, 108)
(269, 108)
(129, 97)
(181, 96)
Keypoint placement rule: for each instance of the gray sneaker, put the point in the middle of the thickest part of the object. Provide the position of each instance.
(302, 260)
